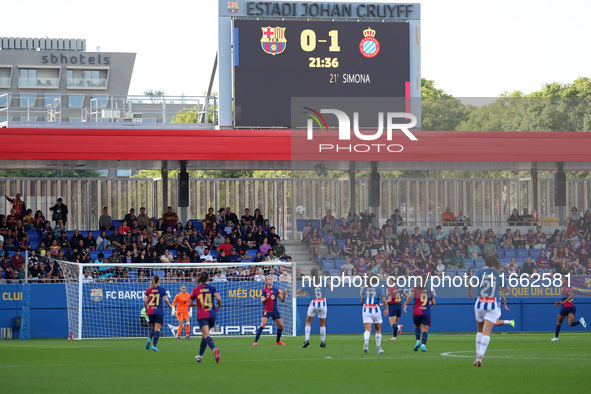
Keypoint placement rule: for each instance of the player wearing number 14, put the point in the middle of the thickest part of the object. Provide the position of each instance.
(202, 296)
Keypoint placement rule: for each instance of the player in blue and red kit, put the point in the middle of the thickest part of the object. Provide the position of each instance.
(421, 313)
(269, 299)
(202, 296)
(394, 297)
(568, 309)
(153, 298)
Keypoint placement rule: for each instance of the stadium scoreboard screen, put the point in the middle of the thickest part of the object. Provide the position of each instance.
(286, 51)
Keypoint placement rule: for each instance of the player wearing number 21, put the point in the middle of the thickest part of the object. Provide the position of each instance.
(182, 312)
(269, 299)
(202, 296)
(153, 302)
(487, 308)
(317, 306)
(421, 312)
(370, 299)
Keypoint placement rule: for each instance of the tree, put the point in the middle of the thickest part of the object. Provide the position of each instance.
(49, 174)
(155, 95)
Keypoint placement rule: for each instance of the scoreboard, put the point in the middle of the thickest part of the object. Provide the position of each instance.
(276, 57)
(277, 60)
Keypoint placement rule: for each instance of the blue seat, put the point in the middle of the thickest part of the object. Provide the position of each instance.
(215, 254)
(504, 262)
(133, 274)
(301, 223)
(501, 253)
(522, 253)
(462, 271)
(341, 242)
(94, 254)
(32, 235)
(317, 223)
(338, 263)
(520, 262)
(198, 224)
(175, 254)
(535, 253)
(469, 263)
(334, 272)
(118, 223)
(451, 272)
(509, 253)
(160, 273)
(327, 265)
(478, 263)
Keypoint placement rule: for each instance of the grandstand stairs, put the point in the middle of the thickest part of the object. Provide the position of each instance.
(300, 253)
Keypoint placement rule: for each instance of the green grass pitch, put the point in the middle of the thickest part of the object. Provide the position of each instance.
(513, 363)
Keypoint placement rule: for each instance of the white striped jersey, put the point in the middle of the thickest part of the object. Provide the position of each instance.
(318, 295)
(372, 296)
(488, 293)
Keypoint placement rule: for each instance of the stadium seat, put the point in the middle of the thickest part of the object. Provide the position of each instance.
(334, 272)
(214, 253)
(478, 263)
(451, 272)
(462, 272)
(133, 274)
(535, 253)
(520, 262)
(94, 254)
(32, 235)
(339, 263)
(522, 253)
(504, 262)
(118, 223)
(469, 263)
(301, 223)
(160, 273)
(328, 265)
(501, 253)
(341, 242)
(317, 223)
(509, 253)
(175, 254)
(198, 224)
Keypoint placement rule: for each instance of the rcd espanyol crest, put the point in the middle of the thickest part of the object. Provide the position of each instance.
(96, 294)
(369, 46)
(273, 40)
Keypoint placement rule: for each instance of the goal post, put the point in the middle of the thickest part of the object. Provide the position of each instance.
(106, 301)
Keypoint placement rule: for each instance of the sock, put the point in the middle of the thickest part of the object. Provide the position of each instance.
(202, 346)
(506, 321)
(575, 323)
(378, 340)
(395, 327)
(279, 332)
(424, 338)
(187, 328)
(557, 330)
(307, 332)
(322, 334)
(418, 333)
(178, 332)
(478, 342)
(156, 337)
(151, 333)
(366, 335)
(259, 332)
(483, 345)
(209, 341)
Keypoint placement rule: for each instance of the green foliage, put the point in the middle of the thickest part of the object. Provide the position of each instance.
(155, 95)
(49, 174)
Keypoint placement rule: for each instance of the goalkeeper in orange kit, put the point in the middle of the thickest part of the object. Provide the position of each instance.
(183, 312)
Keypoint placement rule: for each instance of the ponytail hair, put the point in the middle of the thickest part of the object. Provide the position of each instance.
(493, 262)
(155, 281)
(203, 277)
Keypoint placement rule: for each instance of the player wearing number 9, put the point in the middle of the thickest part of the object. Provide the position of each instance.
(202, 296)
(269, 299)
(487, 306)
(421, 313)
(153, 298)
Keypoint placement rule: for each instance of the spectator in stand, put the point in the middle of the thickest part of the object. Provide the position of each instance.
(561, 246)
(10, 241)
(574, 214)
(170, 238)
(143, 220)
(518, 240)
(209, 217)
(12, 218)
(52, 270)
(457, 261)
(130, 217)
(206, 257)
(527, 219)
(278, 249)
(265, 247)
(489, 248)
(397, 219)
(28, 220)
(583, 250)
(513, 267)
(448, 218)
(18, 205)
(461, 219)
(529, 266)
(220, 218)
(124, 228)
(24, 244)
(105, 220)
(17, 261)
(540, 239)
(247, 219)
(39, 220)
(572, 233)
(530, 239)
(59, 211)
(89, 242)
(230, 216)
(328, 218)
(170, 218)
(514, 219)
(258, 219)
(439, 235)
(352, 216)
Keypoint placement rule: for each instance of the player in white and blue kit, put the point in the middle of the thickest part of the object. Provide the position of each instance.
(487, 308)
(317, 306)
(370, 299)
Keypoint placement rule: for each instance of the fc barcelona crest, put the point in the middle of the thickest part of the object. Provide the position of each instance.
(233, 7)
(273, 40)
(96, 295)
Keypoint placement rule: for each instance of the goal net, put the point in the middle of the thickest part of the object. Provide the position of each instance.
(107, 301)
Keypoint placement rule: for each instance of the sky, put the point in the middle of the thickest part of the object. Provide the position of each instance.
(470, 48)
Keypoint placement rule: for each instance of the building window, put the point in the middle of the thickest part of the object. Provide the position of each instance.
(75, 100)
(87, 78)
(44, 78)
(4, 100)
(99, 101)
(27, 100)
(53, 100)
(5, 73)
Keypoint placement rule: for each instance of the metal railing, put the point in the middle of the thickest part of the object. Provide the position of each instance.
(487, 202)
(100, 110)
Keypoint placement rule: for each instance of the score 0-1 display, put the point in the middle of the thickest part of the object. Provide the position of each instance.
(275, 61)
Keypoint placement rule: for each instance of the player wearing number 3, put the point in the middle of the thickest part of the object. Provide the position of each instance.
(486, 308)
(202, 296)
(421, 312)
(269, 299)
(182, 312)
(153, 298)
(317, 305)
